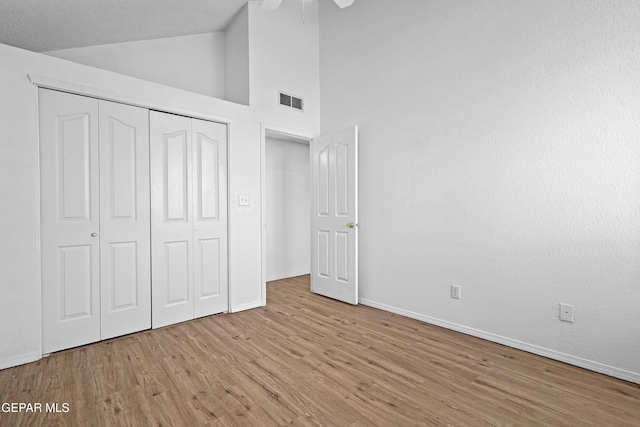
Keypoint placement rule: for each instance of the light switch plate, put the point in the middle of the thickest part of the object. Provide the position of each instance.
(456, 291)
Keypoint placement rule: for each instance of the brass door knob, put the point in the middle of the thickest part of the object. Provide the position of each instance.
(350, 224)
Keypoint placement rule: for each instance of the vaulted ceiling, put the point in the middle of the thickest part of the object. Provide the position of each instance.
(43, 25)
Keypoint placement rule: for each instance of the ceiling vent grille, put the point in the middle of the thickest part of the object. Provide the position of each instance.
(291, 101)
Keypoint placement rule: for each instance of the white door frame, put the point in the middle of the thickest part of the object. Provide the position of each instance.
(264, 129)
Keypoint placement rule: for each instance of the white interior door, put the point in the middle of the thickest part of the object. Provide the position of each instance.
(171, 218)
(210, 217)
(334, 215)
(125, 275)
(70, 220)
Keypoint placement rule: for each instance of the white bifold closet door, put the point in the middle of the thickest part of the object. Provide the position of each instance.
(189, 218)
(125, 220)
(94, 219)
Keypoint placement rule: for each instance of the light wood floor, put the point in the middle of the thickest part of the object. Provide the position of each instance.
(310, 361)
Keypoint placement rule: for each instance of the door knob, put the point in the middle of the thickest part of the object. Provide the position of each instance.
(350, 224)
(94, 234)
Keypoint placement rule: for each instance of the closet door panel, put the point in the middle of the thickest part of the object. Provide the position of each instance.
(210, 218)
(177, 267)
(171, 219)
(125, 219)
(69, 201)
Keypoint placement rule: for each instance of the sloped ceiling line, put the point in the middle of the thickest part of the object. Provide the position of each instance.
(44, 25)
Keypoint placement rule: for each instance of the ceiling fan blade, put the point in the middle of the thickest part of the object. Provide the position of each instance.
(343, 3)
(270, 4)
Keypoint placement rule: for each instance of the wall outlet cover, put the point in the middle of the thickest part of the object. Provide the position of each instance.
(566, 312)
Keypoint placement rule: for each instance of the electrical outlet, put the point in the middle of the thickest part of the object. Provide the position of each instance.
(455, 291)
(243, 200)
(566, 312)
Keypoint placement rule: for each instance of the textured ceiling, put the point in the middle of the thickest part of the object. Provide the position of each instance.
(43, 25)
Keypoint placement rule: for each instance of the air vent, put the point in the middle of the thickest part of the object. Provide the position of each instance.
(292, 101)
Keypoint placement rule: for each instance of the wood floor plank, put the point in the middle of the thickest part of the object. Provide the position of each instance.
(307, 360)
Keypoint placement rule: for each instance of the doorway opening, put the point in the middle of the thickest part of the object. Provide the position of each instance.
(286, 190)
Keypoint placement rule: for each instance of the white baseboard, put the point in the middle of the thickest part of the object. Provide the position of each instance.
(612, 371)
(243, 307)
(19, 360)
(285, 276)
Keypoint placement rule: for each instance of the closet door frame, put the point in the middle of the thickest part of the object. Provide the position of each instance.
(71, 87)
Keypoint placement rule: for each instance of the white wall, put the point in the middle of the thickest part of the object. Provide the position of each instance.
(499, 151)
(283, 54)
(237, 58)
(195, 63)
(287, 202)
(19, 220)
